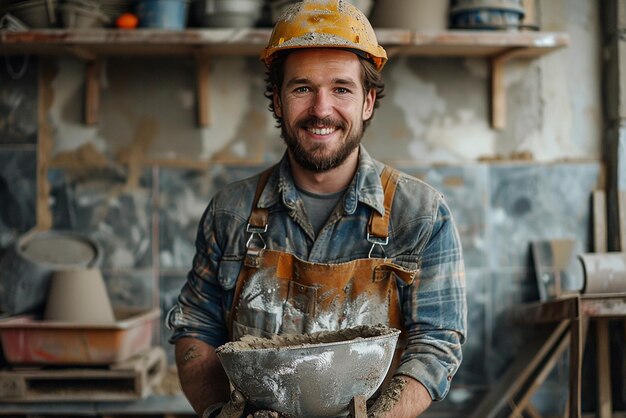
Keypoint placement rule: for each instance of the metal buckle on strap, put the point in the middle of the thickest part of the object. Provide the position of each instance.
(253, 230)
(377, 241)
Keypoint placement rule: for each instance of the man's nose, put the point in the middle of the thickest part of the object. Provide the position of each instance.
(321, 106)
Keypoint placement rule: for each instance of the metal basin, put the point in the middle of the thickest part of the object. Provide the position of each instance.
(313, 375)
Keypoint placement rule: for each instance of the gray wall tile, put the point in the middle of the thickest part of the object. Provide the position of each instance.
(465, 189)
(183, 196)
(100, 204)
(537, 202)
(18, 99)
(18, 193)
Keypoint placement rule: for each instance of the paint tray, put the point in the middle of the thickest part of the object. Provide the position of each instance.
(29, 341)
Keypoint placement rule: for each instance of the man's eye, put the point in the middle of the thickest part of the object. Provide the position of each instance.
(342, 90)
(301, 90)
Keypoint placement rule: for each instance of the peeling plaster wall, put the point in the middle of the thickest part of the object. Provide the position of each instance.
(148, 108)
(435, 111)
(140, 179)
(570, 83)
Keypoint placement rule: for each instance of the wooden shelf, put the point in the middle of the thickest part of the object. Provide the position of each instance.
(235, 41)
(93, 45)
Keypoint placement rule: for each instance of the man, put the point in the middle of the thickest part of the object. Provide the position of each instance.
(328, 238)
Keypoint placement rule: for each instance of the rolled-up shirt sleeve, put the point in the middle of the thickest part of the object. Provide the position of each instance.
(435, 310)
(198, 312)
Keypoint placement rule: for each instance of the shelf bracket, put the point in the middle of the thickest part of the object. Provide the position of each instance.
(81, 53)
(498, 89)
(203, 73)
(92, 91)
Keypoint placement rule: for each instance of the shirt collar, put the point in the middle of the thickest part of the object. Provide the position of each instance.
(365, 186)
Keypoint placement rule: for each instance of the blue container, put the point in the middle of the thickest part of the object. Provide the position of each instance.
(486, 14)
(162, 14)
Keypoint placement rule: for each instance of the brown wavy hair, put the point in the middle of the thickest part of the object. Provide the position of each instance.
(275, 75)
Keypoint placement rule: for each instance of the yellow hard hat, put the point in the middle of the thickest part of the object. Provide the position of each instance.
(324, 24)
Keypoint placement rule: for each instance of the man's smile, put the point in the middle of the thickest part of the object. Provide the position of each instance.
(321, 131)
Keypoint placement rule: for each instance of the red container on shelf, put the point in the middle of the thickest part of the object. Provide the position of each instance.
(28, 341)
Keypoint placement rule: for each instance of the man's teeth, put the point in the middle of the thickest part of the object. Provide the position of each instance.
(321, 131)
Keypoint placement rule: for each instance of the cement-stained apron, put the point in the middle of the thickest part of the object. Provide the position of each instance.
(278, 293)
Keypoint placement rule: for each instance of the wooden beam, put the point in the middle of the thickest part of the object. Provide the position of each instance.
(598, 208)
(203, 89)
(520, 371)
(536, 383)
(621, 210)
(44, 144)
(250, 41)
(532, 412)
(498, 89)
(92, 91)
(605, 406)
(575, 360)
(82, 53)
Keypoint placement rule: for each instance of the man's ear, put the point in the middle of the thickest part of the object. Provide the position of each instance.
(278, 110)
(368, 104)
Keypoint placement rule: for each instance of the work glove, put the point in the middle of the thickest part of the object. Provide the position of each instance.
(236, 408)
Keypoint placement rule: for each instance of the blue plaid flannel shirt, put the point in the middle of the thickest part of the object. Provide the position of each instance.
(422, 236)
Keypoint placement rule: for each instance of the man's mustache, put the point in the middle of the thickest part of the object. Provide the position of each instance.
(313, 122)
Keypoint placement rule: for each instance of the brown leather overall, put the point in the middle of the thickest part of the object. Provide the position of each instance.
(278, 293)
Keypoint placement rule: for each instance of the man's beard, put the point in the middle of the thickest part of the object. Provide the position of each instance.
(315, 159)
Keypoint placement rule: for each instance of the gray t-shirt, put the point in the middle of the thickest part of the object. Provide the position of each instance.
(319, 206)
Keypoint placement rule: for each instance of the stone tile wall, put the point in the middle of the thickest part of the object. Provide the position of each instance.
(147, 228)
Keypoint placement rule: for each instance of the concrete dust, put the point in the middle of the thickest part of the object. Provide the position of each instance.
(249, 342)
(390, 397)
(317, 38)
(265, 414)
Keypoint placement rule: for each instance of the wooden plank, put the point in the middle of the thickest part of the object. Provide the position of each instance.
(203, 88)
(538, 380)
(44, 144)
(621, 208)
(32, 410)
(520, 370)
(498, 89)
(575, 369)
(584, 328)
(92, 91)
(532, 412)
(550, 311)
(250, 41)
(598, 209)
(603, 358)
(498, 95)
(130, 380)
(152, 405)
(609, 305)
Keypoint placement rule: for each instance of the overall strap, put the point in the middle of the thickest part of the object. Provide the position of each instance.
(257, 224)
(378, 226)
(258, 217)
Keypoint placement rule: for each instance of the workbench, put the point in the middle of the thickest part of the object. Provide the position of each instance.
(167, 406)
(557, 325)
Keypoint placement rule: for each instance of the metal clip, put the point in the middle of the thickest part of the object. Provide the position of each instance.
(377, 241)
(256, 231)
